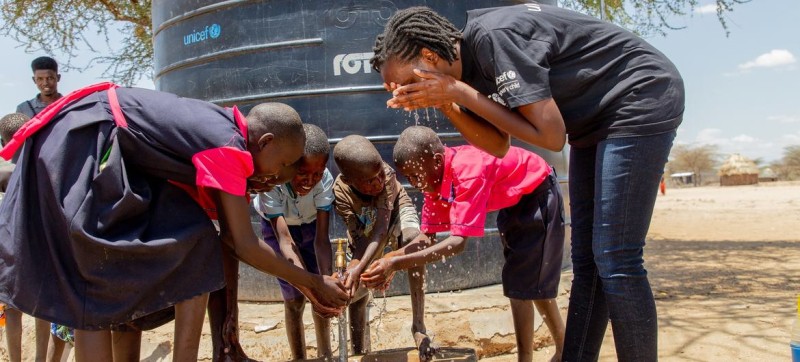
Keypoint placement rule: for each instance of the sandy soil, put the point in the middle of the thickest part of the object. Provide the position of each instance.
(724, 264)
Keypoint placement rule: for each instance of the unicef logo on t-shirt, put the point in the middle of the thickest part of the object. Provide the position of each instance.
(505, 77)
(506, 82)
(212, 31)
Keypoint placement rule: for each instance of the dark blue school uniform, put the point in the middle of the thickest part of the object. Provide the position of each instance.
(96, 229)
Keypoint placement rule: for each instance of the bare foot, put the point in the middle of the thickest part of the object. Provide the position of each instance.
(235, 354)
(425, 347)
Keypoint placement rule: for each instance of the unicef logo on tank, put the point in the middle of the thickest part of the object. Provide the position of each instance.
(212, 31)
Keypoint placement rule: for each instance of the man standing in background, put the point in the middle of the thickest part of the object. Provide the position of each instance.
(46, 78)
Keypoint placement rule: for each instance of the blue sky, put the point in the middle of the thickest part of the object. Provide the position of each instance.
(742, 90)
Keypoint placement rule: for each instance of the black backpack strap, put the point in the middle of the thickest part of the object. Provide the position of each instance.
(30, 105)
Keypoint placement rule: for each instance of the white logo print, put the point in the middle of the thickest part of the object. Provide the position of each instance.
(506, 82)
(497, 99)
(533, 7)
(505, 77)
(352, 63)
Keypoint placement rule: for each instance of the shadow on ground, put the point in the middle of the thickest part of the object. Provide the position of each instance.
(724, 299)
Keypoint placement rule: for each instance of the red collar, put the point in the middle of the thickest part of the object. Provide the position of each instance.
(241, 121)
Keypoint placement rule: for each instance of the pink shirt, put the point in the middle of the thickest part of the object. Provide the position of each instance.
(475, 183)
(226, 167)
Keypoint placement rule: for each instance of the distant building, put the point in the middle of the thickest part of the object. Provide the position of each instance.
(682, 178)
(767, 175)
(738, 170)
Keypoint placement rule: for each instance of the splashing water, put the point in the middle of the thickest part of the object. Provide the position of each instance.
(343, 336)
(432, 122)
(381, 311)
(427, 116)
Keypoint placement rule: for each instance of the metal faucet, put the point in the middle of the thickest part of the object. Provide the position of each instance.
(341, 267)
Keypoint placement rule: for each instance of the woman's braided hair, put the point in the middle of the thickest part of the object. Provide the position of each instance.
(410, 30)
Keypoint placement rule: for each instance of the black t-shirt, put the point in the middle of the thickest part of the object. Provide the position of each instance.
(606, 81)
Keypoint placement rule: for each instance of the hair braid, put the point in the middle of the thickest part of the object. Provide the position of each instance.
(410, 30)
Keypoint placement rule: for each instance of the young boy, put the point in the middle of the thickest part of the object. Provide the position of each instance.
(107, 170)
(295, 218)
(461, 185)
(376, 210)
(46, 78)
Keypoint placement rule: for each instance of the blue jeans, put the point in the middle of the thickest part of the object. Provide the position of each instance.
(613, 188)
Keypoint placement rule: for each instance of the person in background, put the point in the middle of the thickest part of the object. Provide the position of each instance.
(46, 78)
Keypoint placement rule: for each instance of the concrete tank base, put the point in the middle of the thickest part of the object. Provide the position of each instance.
(411, 355)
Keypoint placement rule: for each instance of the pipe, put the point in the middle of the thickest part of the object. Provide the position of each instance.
(341, 266)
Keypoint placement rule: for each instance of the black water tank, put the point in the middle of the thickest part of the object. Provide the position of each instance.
(313, 55)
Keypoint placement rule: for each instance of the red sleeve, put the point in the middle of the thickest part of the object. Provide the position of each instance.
(224, 168)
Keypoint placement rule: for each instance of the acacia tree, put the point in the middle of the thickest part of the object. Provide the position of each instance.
(62, 26)
(698, 159)
(788, 168)
(647, 17)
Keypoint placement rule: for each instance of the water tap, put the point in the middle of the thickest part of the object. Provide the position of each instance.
(341, 260)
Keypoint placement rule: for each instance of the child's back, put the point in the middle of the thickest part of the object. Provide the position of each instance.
(102, 171)
(114, 206)
(478, 183)
(100, 207)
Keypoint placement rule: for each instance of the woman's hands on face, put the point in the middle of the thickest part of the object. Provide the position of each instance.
(433, 90)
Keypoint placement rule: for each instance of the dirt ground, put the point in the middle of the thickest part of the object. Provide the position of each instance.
(724, 263)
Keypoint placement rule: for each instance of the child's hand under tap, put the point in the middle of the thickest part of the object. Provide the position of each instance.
(352, 277)
(379, 274)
